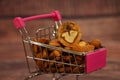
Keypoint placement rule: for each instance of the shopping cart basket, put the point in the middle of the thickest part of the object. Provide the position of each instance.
(83, 62)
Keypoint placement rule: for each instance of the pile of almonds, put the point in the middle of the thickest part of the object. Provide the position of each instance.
(69, 37)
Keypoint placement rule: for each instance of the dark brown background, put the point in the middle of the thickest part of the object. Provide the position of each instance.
(97, 18)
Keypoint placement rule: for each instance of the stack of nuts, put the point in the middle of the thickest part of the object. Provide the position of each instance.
(68, 37)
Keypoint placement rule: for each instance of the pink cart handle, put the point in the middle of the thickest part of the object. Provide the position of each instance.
(20, 22)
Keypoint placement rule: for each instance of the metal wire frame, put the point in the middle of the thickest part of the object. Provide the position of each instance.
(26, 39)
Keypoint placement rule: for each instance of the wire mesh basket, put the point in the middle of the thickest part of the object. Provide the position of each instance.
(67, 62)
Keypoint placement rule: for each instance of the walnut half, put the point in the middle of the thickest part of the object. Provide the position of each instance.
(69, 33)
(70, 36)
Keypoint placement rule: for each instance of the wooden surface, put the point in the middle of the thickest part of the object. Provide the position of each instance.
(78, 8)
(12, 60)
(97, 19)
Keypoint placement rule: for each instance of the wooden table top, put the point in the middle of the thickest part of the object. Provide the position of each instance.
(12, 59)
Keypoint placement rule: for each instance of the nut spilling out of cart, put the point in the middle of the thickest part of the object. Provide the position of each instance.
(57, 61)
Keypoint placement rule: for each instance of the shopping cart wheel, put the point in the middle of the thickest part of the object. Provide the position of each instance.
(31, 76)
(54, 78)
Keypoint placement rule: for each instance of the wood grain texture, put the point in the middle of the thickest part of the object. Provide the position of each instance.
(66, 7)
(12, 59)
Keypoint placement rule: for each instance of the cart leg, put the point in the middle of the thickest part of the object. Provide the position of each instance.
(53, 78)
(77, 77)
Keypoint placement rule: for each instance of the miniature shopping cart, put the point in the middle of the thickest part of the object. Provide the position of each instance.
(89, 61)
